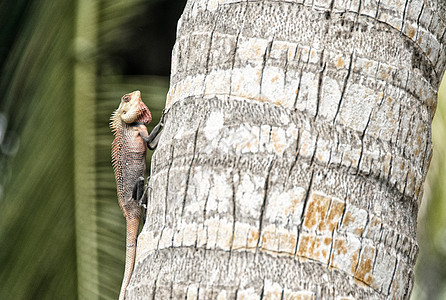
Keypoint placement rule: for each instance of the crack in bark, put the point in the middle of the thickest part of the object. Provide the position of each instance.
(315, 150)
(362, 143)
(233, 213)
(262, 208)
(319, 86)
(365, 226)
(344, 210)
(262, 291)
(399, 131)
(390, 172)
(374, 260)
(205, 205)
(210, 46)
(235, 47)
(344, 88)
(154, 290)
(396, 242)
(404, 17)
(427, 154)
(405, 185)
(296, 157)
(159, 239)
(190, 169)
(418, 20)
(393, 275)
(265, 58)
(299, 62)
(330, 253)
(381, 232)
(304, 206)
(377, 10)
(285, 69)
(441, 39)
(359, 260)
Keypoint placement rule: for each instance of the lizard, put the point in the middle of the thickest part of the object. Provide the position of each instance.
(129, 163)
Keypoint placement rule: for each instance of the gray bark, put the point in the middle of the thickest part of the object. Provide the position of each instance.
(295, 149)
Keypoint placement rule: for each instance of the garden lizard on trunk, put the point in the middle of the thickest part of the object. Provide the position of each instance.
(129, 164)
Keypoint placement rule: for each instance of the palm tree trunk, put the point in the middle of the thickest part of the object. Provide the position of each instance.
(295, 149)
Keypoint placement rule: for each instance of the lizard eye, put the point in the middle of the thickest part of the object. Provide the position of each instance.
(126, 98)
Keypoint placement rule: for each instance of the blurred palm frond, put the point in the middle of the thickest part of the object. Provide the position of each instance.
(36, 209)
(40, 57)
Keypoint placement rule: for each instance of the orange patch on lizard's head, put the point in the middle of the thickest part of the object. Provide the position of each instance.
(144, 116)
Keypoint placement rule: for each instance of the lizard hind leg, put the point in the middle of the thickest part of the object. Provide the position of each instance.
(139, 195)
(138, 190)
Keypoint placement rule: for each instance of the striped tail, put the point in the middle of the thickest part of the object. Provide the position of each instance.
(130, 253)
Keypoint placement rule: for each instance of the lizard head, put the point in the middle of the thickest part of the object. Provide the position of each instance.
(132, 109)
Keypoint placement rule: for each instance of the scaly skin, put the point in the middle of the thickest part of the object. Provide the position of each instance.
(129, 163)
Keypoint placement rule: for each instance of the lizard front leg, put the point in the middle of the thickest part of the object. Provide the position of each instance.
(153, 138)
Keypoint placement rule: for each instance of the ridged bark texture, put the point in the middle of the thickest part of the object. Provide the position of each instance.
(294, 153)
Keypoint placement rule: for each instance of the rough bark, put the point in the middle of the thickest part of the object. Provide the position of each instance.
(294, 152)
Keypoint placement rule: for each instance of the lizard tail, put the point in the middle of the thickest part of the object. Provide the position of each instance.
(130, 252)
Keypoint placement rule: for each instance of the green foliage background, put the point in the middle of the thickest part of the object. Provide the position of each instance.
(42, 44)
(41, 53)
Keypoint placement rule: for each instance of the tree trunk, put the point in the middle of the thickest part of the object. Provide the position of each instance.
(295, 149)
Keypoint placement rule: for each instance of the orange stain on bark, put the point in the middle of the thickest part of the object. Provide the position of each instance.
(288, 242)
(253, 237)
(358, 230)
(317, 210)
(348, 219)
(340, 246)
(333, 217)
(362, 273)
(339, 63)
(411, 32)
(354, 262)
